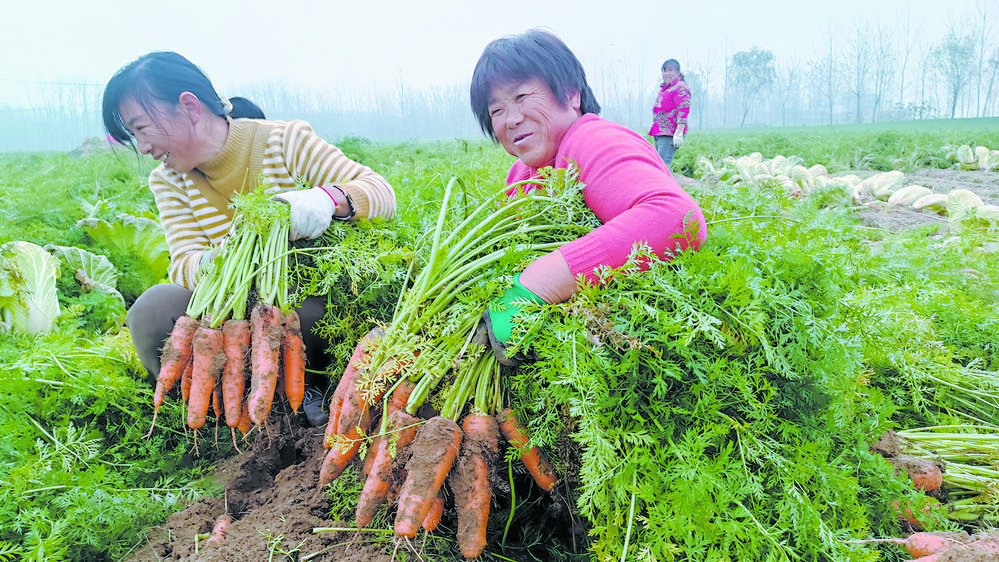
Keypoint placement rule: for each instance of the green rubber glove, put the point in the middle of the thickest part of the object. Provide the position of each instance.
(503, 309)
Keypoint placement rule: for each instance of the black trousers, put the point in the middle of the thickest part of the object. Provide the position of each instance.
(152, 316)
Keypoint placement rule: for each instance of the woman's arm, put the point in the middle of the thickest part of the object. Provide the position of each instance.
(322, 164)
(629, 189)
(186, 238)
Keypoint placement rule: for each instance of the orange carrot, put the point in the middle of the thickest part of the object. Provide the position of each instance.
(346, 384)
(265, 341)
(245, 423)
(400, 430)
(343, 388)
(434, 450)
(174, 359)
(293, 350)
(926, 474)
(470, 482)
(220, 529)
(532, 457)
(215, 403)
(235, 342)
(208, 362)
(339, 455)
(400, 396)
(185, 381)
(918, 544)
(433, 517)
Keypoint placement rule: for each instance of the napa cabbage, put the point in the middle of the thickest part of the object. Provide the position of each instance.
(28, 299)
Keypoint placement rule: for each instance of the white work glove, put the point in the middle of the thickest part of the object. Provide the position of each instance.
(311, 212)
(677, 139)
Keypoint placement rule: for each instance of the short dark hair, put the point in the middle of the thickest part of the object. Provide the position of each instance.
(243, 108)
(157, 76)
(533, 54)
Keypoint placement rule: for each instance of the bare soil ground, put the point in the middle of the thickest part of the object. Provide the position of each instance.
(274, 498)
(272, 487)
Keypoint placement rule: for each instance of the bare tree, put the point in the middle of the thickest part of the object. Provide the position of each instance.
(823, 80)
(751, 72)
(954, 53)
(788, 94)
(882, 66)
(993, 66)
(860, 61)
(907, 47)
(982, 10)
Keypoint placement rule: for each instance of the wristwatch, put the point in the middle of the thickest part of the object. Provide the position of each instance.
(350, 205)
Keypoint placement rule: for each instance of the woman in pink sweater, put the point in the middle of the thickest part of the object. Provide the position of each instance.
(529, 93)
(669, 113)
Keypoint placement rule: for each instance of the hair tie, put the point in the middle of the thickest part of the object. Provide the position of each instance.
(226, 105)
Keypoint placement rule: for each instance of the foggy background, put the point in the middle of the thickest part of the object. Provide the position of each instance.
(904, 60)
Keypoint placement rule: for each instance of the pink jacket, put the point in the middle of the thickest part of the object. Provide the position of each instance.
(629, 188)
(671, 109)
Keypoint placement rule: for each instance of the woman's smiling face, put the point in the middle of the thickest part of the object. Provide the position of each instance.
(166, 135)
(529, 122)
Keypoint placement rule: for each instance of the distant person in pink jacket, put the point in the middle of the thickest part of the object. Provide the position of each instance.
(529, 93)
(669, 122)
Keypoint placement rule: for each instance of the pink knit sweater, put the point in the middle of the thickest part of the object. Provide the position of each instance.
(629, 189)
(672, 107)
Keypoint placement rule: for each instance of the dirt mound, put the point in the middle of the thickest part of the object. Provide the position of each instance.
(275, 502)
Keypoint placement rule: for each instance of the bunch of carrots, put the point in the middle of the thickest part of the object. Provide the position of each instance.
(435, 336)
(215, 350)
(937, 547)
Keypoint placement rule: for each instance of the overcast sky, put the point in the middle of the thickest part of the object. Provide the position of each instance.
(362, 45)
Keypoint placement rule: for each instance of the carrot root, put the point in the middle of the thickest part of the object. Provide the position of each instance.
(437, 442)
(293, 351)
(235, 343)
(208, 361)
(533, 458)
(265, 343)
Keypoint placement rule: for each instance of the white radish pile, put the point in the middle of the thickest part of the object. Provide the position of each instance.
(961, 206)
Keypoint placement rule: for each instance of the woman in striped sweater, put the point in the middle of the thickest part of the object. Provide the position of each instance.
(165, 106)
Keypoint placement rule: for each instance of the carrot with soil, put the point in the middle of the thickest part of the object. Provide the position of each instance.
(293, 350)
(399, 430)
(174, 359)
(208, 361)
(470, 478)
(220, 529)
(346, 386)
(235, 343)
(434, 450)
(532, 457)
(266, 335)
(927, 544)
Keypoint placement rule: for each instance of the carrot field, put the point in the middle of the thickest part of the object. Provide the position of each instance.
(822, 372)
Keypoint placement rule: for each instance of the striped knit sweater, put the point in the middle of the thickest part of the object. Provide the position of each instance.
(194, 207)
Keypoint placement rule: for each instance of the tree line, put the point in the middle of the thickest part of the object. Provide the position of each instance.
(874, 72)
